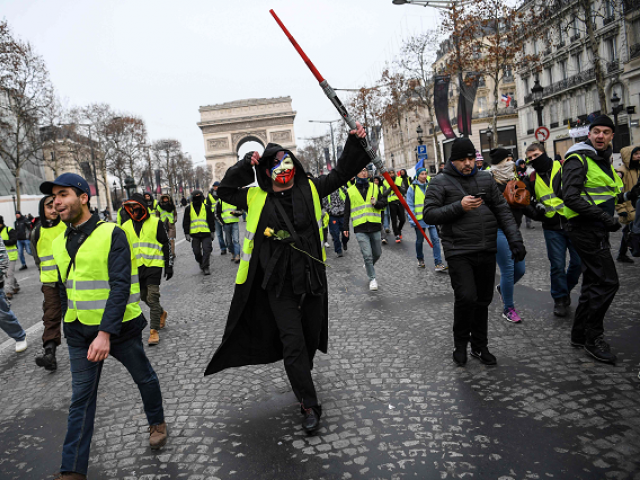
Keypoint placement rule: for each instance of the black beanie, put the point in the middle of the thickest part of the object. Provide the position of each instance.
(462, 148)
(603, 121)
(498, 154)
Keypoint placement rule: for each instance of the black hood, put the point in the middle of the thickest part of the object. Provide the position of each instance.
(634, 164)
(264, 180)
(44, 222)
(167, 206)
(197, 203)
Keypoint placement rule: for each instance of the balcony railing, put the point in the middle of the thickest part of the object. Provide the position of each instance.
(575, 80)
(613, 66)
(508, 79)
(634, 51)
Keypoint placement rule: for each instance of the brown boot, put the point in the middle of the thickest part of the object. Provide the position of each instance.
(163, 320)
(70, 476)
(158, 436)
(154, 338)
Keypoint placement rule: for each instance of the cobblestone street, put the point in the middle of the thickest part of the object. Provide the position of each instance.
(395, 405)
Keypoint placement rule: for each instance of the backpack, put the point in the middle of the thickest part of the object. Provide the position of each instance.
(516, 194)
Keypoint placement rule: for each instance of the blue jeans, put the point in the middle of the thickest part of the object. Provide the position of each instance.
(220, 235)
(433, 233)
(510, 272)
(562, 279)
(231, 233)
(85, 377)
(24, 245)
(385, 218)
(371, 248)
(335, 229)
(8, 321)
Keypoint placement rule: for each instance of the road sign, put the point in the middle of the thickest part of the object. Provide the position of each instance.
(542, 134)
(422, 150)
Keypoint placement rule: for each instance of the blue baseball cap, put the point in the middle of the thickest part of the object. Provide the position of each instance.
(66, 180)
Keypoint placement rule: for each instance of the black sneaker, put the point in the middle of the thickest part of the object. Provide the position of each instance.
(311, 421)
(223, 252)
(47, 360)
(340, 255)
(206, 271)
(24, 267)
(560, 307)
(344, 247)
(567, 300)
(621, 259)
(484, 356)
(601, 351)
(577, 343)
(460, 356)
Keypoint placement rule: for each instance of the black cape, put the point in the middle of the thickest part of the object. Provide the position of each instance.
(251, 335)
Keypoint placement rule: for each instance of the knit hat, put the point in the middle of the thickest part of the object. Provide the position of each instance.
(603, 121)
(498, 155)
(216, 183)
(420, 170)
(462, 148)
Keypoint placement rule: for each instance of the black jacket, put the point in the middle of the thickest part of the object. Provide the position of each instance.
(22, 227)
(474, 231)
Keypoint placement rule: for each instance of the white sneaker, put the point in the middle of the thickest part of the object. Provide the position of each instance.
(326, 244)
(373, 285)
(22, 346)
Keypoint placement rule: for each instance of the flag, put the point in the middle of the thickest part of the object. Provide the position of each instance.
(506, 99)
(420, 164)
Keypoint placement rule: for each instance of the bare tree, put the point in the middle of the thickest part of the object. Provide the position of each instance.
(25, 94)
(398, 99)
(167, 153)
(127, 139)
(204, 173)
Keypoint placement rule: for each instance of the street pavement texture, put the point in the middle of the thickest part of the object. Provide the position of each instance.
(395, 405)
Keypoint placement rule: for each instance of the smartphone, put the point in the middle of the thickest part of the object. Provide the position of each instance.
(480, 195)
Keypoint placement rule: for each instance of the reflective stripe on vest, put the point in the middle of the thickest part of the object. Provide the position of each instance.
(418, 202)
(164, 215)
(227, 217)
(392, 195)
(546, 195)
(256, 198)
(598, 186)
(12, 250)
(44, 249)
(198, 220)
(146, 248)
(88, 281)
(361, 210)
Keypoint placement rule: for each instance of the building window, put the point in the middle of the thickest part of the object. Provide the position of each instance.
(581, 104)
(549, 76)
(596, 100)
(530, 124)
(553, 113)
(525, 84)
(566, 109)
(577, 63)
(612, 49)
(560, 33)
(563, 69)
(574, 27)
(608, 9)
(482, 104)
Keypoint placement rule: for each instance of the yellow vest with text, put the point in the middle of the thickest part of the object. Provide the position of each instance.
(198, 220)
(546, 195)
(12, 250)
(87, 283)
(255, 200)
(146, 248)
(44, 248)
(227, 217)
(598, 185)
(361, 209)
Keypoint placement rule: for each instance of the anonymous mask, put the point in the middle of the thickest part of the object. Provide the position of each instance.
(284, 168)
(136, 211)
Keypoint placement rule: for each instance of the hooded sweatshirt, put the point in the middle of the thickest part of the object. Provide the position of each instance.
(42, 222)
(630, 171)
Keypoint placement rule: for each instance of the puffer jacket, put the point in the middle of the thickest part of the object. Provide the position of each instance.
(474, 231)
(630, 173)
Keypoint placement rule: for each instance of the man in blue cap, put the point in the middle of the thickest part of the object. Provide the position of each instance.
(102, 317)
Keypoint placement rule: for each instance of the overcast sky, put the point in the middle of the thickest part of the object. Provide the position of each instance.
(164, 59)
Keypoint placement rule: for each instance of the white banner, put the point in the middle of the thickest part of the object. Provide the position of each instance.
(579, 131)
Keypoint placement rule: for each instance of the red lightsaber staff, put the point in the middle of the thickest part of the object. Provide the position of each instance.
(331, 94)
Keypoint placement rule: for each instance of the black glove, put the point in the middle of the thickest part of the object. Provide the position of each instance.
(247, 159)
(541, 207)
(168, 272)
(518, 252)
(633, 194)
(610, 224)
(187, 238)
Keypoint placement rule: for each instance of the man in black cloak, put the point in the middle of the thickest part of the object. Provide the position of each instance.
(279, 308)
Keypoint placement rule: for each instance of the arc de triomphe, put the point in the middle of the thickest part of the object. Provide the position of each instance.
(227, 126)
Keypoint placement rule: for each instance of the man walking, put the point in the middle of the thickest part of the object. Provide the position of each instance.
(168, 217)
(42, 237)
(213, 203)
(198, 223)
(22, 229)
(229, 215)
(10, 238)
(334, 205)
(363, 206)
(591, 188)
(102, 317)
(150, 243)
(396, 210)
(470, 208)
(630, 173)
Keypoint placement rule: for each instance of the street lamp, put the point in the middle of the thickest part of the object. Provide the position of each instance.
(617, 108)
(536, 91)
(392, 164)
(13, 197)
(333, 145)
(419, 131)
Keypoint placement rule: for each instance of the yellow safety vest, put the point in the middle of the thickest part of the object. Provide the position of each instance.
(227, 217)
(87, 282)
(44, 248)
(256, 198)
(392, 195)
(198, 220)
(325, 220)
(146, 248)
(598, 186)
(12, 250)
(361, 209)
(418, 201)
(164, 215)
(546, 195)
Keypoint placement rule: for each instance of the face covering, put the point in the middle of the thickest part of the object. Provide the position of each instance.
(362, 181)
(136, 211)
(503, 172)
(284, 169)
(542, 164)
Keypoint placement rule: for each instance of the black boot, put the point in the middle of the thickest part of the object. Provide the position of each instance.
(600, 350)
(460, 356)
(560, 307)
(48, 359)
(311, 420)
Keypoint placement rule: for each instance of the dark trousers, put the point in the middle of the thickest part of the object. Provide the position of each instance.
(599, 283)
(472, 278)
(202, 248)
(337, 233)
(624, 243)
(300, 338)
(85, 377)
(396, 210)
(52, 314)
